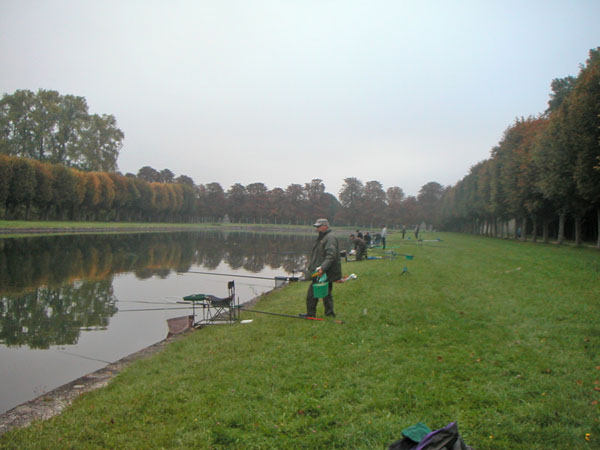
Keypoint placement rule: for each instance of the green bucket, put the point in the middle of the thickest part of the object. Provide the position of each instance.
(320, 290)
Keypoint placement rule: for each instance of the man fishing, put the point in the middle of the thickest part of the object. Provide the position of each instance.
(360, 247)
(324, 258)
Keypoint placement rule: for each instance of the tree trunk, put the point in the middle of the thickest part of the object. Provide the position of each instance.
(524, 229)
(546, 230)
(578, 230)
(598, 230)
(534, 231)
(561, 227)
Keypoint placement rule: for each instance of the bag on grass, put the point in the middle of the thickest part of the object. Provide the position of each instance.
(446, 438)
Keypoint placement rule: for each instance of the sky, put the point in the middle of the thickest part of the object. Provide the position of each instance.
(287, 91)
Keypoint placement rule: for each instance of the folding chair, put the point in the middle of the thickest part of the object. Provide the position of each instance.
(223, 309)
(215, 309)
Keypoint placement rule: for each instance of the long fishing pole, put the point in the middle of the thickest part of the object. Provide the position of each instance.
(287, 315)
(152, 309)
(241, 276)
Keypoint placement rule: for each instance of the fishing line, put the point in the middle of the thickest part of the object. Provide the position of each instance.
(151, 309)
(142, 301)
(84, 357)
(287, 278)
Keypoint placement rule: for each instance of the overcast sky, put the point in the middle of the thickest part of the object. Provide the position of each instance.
(285, 91)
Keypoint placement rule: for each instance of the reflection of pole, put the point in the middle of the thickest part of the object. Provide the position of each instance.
(241, 276)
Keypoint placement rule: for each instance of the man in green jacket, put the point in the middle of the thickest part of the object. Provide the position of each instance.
(324, 258)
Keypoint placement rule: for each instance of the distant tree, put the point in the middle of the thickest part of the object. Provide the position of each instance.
(149, 174)
(429, 200)
(317, 203)
(166, 176)
(257, 201)
(394, 197)
(184, 179)
(42, 199)
(295, 197)
(374, 203)
(411, 211)
(64, 188)
(584, 120)
(5, 176)
(276, 204)
(237, 197)
(53, 128)
(351, 197)
(215, 201)
(22, 186)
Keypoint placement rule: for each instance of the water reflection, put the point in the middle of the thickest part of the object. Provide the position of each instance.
(54, 316)
(52, 287)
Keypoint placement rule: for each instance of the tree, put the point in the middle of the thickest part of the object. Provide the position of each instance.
(374, 203)
(429, 199)
(236, 202)
(5, 176)
(318, 204)
(167, 176)
(351, 197)
(64, 189)
(101, 142)
(215, 200)
(257, 201)
(584, 120)
(50, 127)
(295, 201)
(184, 179)
(22, 186)
(394, 197)
(149, 174)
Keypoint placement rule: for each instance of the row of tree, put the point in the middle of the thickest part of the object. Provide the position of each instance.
(544, 170)
(30, 189)
(58, 129)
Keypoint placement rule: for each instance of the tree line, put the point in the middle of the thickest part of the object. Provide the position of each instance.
(34, 190)
(544, 171)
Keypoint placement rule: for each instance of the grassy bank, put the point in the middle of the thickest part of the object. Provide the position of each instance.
(503, 337)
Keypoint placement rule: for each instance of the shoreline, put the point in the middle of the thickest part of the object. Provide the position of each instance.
(53, 402)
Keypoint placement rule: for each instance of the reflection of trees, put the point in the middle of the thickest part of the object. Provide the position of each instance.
(54, 316)
(43, 304)
(30, 262)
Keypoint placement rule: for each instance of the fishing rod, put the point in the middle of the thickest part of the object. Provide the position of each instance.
(287, 315)
(242, 276)
(152, 309)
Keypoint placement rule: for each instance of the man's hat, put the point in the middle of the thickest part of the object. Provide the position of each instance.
(320, 222)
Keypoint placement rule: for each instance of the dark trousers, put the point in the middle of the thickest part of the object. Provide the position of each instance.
(311, 301)
(383, 242)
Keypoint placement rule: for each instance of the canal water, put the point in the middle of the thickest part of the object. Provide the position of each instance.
(71, 304)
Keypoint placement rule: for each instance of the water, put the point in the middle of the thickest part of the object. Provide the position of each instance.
(69, 305)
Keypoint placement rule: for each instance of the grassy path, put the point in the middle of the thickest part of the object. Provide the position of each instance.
(503, 337)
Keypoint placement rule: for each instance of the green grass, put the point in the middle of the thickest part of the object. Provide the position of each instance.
(501, 336)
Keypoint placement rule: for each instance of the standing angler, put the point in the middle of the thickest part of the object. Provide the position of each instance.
(324, 258)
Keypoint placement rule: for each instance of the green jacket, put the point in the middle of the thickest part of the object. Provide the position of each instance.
(326, 253)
